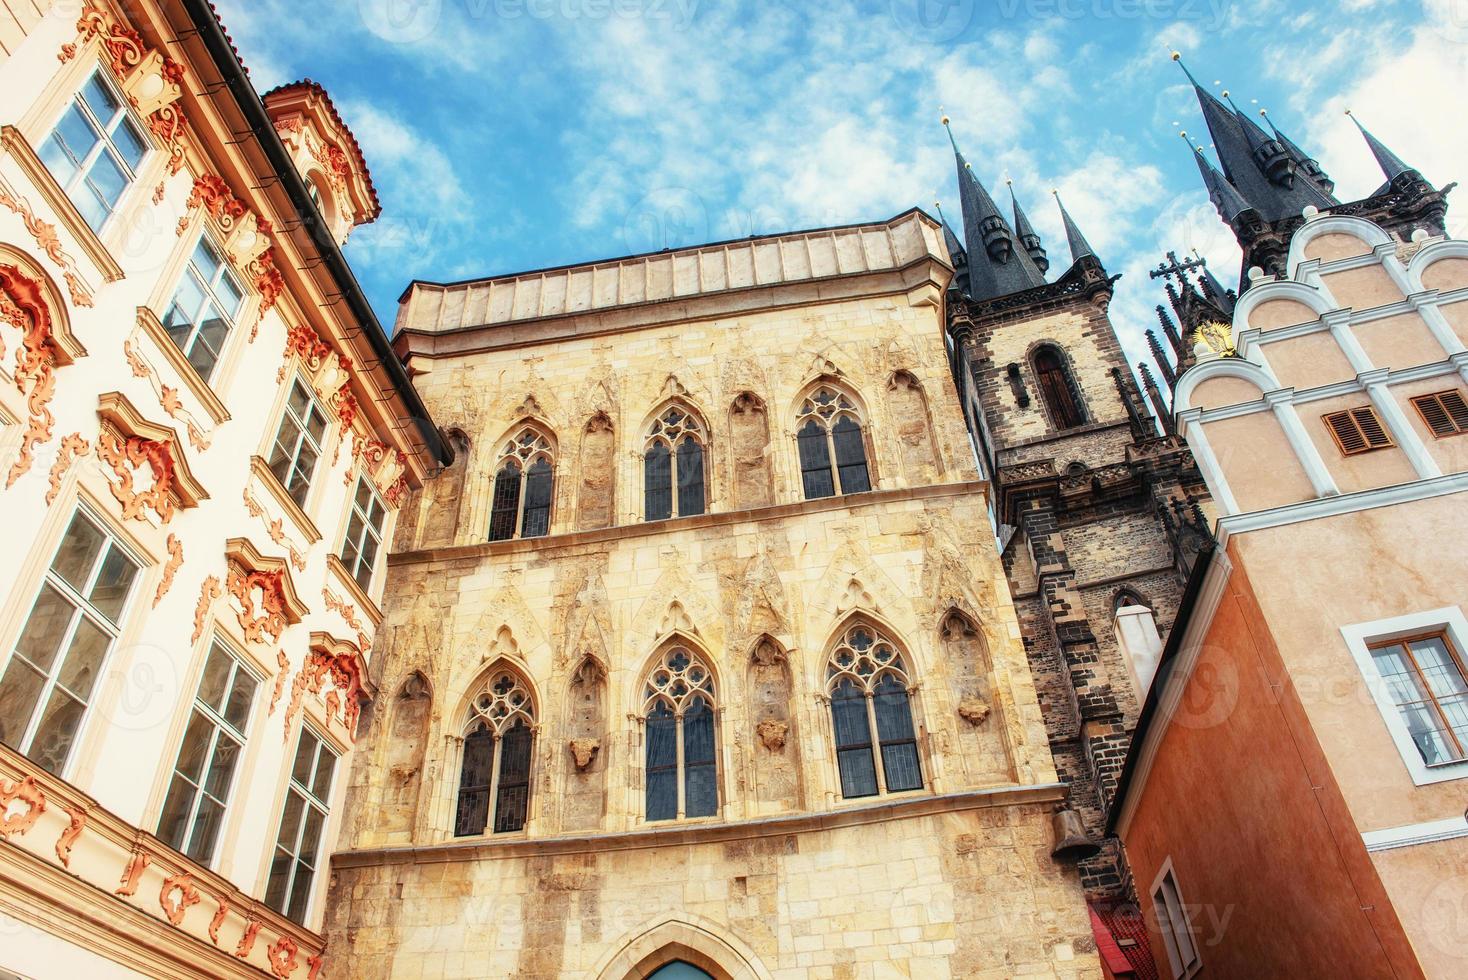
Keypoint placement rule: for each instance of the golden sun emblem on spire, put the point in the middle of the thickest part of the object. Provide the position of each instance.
(1217, 337)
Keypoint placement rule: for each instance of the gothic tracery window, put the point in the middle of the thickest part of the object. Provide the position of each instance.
(682, 767)
(828, 428)
(673, 466)
(523, 484)
(871, 715)
(1058, 389)
(496, 763)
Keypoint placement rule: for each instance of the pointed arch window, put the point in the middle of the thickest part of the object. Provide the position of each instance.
(494, 776)
(673, 466)
(1057, 387)
(827, 431)
(523, 486)
(871, 716)
(682, 760)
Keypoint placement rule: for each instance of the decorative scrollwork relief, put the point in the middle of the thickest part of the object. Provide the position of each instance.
(174, 563)
(23, 305)
(173, 906)
(25, 791)
(72, 446)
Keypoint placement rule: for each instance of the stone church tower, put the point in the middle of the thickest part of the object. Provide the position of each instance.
(1097, 509)
(736, 680)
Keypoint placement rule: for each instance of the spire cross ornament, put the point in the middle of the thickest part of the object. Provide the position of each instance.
(1177, 268)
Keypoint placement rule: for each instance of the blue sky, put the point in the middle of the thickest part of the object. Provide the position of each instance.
(506, 135)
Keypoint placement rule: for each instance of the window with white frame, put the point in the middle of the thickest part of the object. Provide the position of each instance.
(298, 844)
(1425, 678)
(364, 533)
(204, 308)
(53, 669)
(1414, 666)
(298, 442)
(1172, 921)
(95, 149)
(208, 759)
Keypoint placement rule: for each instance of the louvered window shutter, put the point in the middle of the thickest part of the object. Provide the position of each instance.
(1445, 412)
(1358, 430)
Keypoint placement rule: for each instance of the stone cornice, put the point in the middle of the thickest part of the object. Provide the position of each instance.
(519, 546)
(899, 256)
(671, 835)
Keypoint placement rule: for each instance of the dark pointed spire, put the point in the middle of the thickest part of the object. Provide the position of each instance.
(1390, 164)
(996, 266)
(1307, 164)
(1027, 236)
(956, 251)
(1225, 196)
(1079, 247)
(1259, 166)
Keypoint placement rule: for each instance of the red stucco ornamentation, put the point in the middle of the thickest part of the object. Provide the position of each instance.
(174, 908)
(213, 195)
(269, 621)
(24, 791)
(220, 914)
(284, 665)
(67, 837)
(126, 455)
(247, 939)
(23, 305)
(208, 592)
(175, 562)
(133, 873)
(282, 955)
(71, 446)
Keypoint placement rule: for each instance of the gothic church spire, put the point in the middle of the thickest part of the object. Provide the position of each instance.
(997, 265)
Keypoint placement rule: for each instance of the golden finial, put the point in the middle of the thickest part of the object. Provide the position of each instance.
(1224, 93)
(1264, 112)
(1177, 56)
(1348, 112)
(944, 120)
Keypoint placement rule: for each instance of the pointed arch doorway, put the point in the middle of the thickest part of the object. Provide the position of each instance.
(679, 970)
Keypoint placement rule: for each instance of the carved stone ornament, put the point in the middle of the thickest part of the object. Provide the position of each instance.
(247, 939)
(220, 914)
(772, 734)
(151, 81)
(149, 468)
(68, 837)
(583, 752)
(263, 592)
(973, 710)
(173, 906)
(387, 466)
(282, 955)
(72, 447)
(209, 590)
(170, 568)
(340, 661)
(26, 304)
(128, 883)
(18, 821)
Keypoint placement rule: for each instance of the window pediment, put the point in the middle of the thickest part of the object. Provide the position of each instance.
(265, 596)
(150, 468)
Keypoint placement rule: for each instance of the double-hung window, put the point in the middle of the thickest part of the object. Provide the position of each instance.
(95, 150)
(204, 774)
(53, 670)
(364, 534)
(298, 442)
(298, 844)
(205, 308)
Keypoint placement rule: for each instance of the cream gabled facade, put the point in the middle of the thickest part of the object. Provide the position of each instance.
(1327, 634)
(637, 729)
(201, 449)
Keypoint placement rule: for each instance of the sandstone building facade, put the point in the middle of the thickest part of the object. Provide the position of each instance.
(740, 684)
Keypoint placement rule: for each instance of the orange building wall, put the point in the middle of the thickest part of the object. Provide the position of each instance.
(1272, 867)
